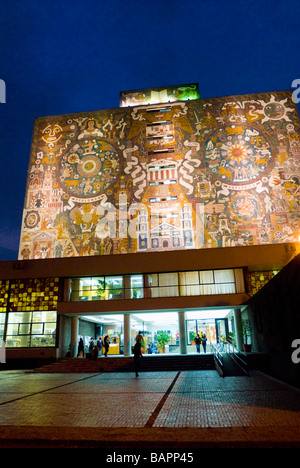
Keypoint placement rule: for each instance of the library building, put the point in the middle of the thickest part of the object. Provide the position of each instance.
(171, 216)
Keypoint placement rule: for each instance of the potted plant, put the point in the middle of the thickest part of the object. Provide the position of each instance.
(247, 336)
(162, 338)
(101, 289)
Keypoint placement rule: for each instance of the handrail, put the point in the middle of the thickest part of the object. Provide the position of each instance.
(218, 355)
(225, 347)
(236, 354)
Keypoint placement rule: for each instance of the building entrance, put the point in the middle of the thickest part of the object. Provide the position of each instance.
(163, 332)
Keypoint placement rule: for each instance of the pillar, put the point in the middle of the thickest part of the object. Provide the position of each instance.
(75, 290)
(127, 284)
(127, 335)
(67, 289)
(182, 333)
(238, 329)
(74, 336)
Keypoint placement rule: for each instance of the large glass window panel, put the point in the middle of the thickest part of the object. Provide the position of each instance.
(16, 318)
(160, 332)
(27, 329)
(224, 281)
(168, 284)
(114, 286)
(37, 328)
(42, 340)
(151, 285)
(17, 341)
(136, 287)
(207, 282)
(189, 283)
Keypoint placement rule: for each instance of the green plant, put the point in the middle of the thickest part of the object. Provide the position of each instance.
(192, 336)
(247, 331)
(101, 288)
(162, 338)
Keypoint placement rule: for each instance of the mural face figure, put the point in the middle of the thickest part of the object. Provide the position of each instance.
(52, 133)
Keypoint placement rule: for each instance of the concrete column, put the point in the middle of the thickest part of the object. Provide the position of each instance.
(127, 287)
(67, 290)
(182, 333)
(238, 329)
(75, 290)
(127, 335)
(74, 336)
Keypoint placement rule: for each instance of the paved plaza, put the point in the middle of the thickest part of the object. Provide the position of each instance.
(158, 409)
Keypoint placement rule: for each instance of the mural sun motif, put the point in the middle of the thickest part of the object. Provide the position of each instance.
(275, 110)
(237, 154)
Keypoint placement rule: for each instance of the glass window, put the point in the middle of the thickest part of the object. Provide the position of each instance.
(151, 285)
(114, 287)
(207, 282)
(111, 325)
(189, 283)
(97, 288)
(28, 329)
(136, 287)
(161, 284)
(159, 330)
(2, 323)
(168, 284)
(224, 281)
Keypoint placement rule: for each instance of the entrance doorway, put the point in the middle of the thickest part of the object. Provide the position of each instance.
(200, 327)
(160, 330)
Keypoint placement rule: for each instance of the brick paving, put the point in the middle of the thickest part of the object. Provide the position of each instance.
(157, 409)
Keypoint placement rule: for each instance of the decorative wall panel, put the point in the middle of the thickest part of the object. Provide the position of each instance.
(203, 173)
(34, 294)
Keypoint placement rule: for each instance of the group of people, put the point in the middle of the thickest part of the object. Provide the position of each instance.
(95, 347)
(200, 340)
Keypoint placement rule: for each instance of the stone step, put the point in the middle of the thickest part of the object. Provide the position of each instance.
(126, 364)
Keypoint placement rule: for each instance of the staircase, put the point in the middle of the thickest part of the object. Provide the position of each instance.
(149, 363)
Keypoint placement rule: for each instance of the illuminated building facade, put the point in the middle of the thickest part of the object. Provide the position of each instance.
(169, 203)
(185, 174)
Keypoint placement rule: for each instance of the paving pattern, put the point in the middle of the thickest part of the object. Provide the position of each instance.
(197, 399)
(188, 399)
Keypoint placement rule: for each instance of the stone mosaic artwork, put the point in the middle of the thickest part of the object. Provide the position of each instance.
(203, 173)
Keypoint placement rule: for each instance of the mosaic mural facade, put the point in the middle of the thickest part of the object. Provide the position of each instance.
(202, 173)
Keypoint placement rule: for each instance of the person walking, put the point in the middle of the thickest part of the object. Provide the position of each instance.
(80, 348)
(106, 345)
(204, 340)
(99, 345)
(198, 342)
(137, 355)
(139, 338)
(91, 345)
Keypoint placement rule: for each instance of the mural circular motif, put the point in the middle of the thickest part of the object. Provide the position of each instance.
(246, 208)
(88, 168)
(237, 154)
(32, 219)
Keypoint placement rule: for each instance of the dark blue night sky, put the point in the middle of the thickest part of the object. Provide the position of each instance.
(71, 56)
